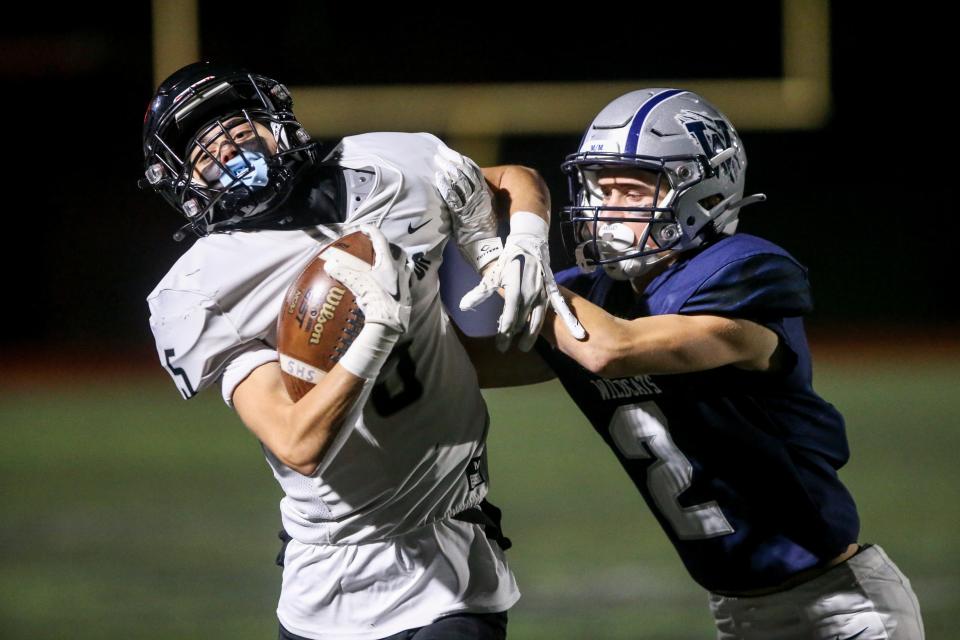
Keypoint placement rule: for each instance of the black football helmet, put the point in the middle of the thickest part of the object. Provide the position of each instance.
(205, 112)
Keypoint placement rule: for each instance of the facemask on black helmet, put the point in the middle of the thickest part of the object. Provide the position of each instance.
(683, 151)
(223, 147)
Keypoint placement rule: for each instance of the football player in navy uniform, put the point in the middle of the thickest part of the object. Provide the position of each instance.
(697, 374)
(383, 463)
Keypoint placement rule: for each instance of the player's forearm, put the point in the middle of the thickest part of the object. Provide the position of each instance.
(606, 341)
(616, 348)
(298, 434)
(517, 188)
(497, 370)
(314, 421)
(665, 344)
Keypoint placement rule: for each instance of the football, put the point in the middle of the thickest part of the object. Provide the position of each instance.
(319, 319)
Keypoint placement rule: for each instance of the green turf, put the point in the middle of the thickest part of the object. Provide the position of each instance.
(127, 512)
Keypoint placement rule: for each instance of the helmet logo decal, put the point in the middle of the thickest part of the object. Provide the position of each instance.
(713, 135)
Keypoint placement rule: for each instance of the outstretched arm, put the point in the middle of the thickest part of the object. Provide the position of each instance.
(517, 188)
(663, 344)
(514, 368)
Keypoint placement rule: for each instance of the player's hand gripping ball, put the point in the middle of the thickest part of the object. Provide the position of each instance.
(319, 319)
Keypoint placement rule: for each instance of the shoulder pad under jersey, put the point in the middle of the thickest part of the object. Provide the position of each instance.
(222, 298)
(747, 278)
(194, 339)
(403, 200)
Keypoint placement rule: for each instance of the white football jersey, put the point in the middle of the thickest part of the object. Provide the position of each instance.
(413, 454)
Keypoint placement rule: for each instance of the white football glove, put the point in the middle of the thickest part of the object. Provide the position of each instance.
(462, 186)
(382, 291)
(523, 271)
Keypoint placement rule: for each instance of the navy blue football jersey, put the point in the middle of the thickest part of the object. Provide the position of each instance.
(739, 467)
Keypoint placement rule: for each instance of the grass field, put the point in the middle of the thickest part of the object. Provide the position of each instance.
(129, 513)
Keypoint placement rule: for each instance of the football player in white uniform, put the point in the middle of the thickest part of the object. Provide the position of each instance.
(383, 462)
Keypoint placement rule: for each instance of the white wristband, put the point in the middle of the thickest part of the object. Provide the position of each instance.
(370, 349)
(480, 253)
(529, 223)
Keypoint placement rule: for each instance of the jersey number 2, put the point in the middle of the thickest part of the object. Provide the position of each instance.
(640, 430)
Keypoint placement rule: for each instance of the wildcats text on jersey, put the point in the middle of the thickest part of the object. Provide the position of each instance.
(618, 388)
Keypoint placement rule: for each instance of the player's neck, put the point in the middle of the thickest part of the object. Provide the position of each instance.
(641, 282)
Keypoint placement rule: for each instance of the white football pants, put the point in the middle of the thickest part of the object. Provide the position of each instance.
(864, 598)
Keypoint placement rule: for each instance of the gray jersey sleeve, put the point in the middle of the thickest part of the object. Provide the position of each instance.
(195, 339)
(242, 365)
(220, 301)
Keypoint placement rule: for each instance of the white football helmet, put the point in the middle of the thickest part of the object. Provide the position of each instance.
(699, 162)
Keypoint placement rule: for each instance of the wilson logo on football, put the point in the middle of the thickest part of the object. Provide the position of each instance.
(293, 302)
(326, 312)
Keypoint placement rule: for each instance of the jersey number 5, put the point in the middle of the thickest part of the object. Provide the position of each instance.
(640, 430)
(177, 372)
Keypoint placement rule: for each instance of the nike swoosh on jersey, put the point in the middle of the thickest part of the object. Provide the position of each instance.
(856, 635)
(414, 229)
(396, 288)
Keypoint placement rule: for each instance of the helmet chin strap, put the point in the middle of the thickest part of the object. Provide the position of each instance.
(628, 269)
(635, 267)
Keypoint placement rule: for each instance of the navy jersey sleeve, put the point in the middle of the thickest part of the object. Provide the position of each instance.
(575, 280)
(760, 287)
(770, 289)
(592, 286)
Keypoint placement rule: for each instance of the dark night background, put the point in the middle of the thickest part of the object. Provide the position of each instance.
(866, 202)
(127, 512)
